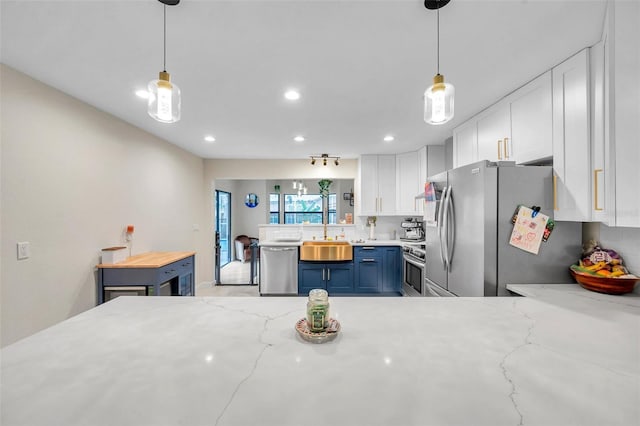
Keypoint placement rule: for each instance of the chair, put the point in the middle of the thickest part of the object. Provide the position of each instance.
(243, 247)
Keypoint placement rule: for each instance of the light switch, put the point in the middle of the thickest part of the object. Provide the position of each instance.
(24, 250)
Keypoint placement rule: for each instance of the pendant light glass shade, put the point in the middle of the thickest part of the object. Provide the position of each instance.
(438, 101)
(164, 99)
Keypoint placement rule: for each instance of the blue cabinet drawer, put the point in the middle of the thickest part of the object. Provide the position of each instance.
(366, 251)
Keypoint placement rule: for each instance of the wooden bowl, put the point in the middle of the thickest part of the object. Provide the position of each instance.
(605, 285)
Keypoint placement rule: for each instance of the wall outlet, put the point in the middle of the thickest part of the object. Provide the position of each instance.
(24, 250)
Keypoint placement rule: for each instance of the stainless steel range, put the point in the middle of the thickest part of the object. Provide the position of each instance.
(413, 268)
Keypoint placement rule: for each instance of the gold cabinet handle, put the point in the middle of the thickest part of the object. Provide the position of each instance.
(555, 192)
(499, 149)
(506, 151)
(595, 189)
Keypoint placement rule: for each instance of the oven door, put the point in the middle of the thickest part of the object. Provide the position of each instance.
(413, 275)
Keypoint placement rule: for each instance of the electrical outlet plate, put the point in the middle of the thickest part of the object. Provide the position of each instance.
(24, 250)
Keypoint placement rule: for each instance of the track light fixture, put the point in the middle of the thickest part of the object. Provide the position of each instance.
(325, 158)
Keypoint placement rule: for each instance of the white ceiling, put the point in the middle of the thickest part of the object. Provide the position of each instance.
(360, 65)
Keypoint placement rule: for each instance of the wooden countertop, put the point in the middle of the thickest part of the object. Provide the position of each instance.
(154, 259)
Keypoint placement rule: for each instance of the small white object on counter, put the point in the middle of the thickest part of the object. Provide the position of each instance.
(112, 255)
(562, 360)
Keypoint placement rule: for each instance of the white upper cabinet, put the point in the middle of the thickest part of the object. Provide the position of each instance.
(377, 175)
(494, 133)
(517, 128)
(599, 176)
(531, 122)
(408, 177)
(622, 113)
(571, 139)
(465, 143)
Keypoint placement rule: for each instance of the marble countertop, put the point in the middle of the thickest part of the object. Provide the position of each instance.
(563, 360)
(376, 243)
(352, 242)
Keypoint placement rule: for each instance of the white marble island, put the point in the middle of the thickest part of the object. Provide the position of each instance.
(397, 361)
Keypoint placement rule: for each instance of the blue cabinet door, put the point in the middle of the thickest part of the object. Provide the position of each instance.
(339, 278)
(368, 275)
(392, 270)
(311, 275)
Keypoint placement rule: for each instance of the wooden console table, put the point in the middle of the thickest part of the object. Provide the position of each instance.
(150, 270)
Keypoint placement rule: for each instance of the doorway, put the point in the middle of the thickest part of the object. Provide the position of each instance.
(223, 225)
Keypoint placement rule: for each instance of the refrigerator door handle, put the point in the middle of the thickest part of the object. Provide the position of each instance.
(451, 236)
(444, 244)
(440, 225)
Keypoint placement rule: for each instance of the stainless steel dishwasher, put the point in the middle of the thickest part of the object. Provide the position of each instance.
(278, 270)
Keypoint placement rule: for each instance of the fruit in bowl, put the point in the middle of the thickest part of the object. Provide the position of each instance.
(602, 270)
(604, 284)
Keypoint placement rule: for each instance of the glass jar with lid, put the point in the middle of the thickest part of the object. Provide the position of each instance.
(318, 310)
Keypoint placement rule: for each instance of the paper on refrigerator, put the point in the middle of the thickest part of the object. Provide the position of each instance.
(528, 230)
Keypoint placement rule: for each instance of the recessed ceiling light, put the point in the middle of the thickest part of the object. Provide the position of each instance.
(209, 138)
(292, 95)
(388, 138)
(299, 139)
(142, 94)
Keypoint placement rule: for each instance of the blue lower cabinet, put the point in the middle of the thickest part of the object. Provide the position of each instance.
(378, 269)
(392, 270)
(339, 278)
(333, 277)
(368, 274)
(374, 270)
(310, 275)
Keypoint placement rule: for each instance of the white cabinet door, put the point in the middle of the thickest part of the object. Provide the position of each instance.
(571, 139)
(465, 143)
(368, 200)
(494, 133)
(407, 178)
(377, 177)
(599, 171)
(386, 184)
(531, 121)
(622, 113)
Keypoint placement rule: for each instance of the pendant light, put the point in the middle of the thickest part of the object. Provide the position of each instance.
(438, 99)
(164, 96)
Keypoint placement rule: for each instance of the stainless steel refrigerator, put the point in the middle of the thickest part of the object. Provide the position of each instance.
(469, 226)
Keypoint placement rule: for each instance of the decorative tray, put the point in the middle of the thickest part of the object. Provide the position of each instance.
(302, 327)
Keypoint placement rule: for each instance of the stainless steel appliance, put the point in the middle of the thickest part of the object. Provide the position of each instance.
(467, 246)
(412, 229)
(278, 270)
(413, 269)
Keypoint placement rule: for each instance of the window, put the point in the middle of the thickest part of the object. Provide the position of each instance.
(332, 208)
(302, 208)
(274, 208)
(308, 208)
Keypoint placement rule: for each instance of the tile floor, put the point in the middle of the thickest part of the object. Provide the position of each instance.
(237, 272)
(209, 289)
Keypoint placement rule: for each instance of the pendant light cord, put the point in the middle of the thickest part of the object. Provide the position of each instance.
(438, 44)
(164, 57)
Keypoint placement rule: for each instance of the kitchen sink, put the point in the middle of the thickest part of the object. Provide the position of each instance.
(326, 251)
